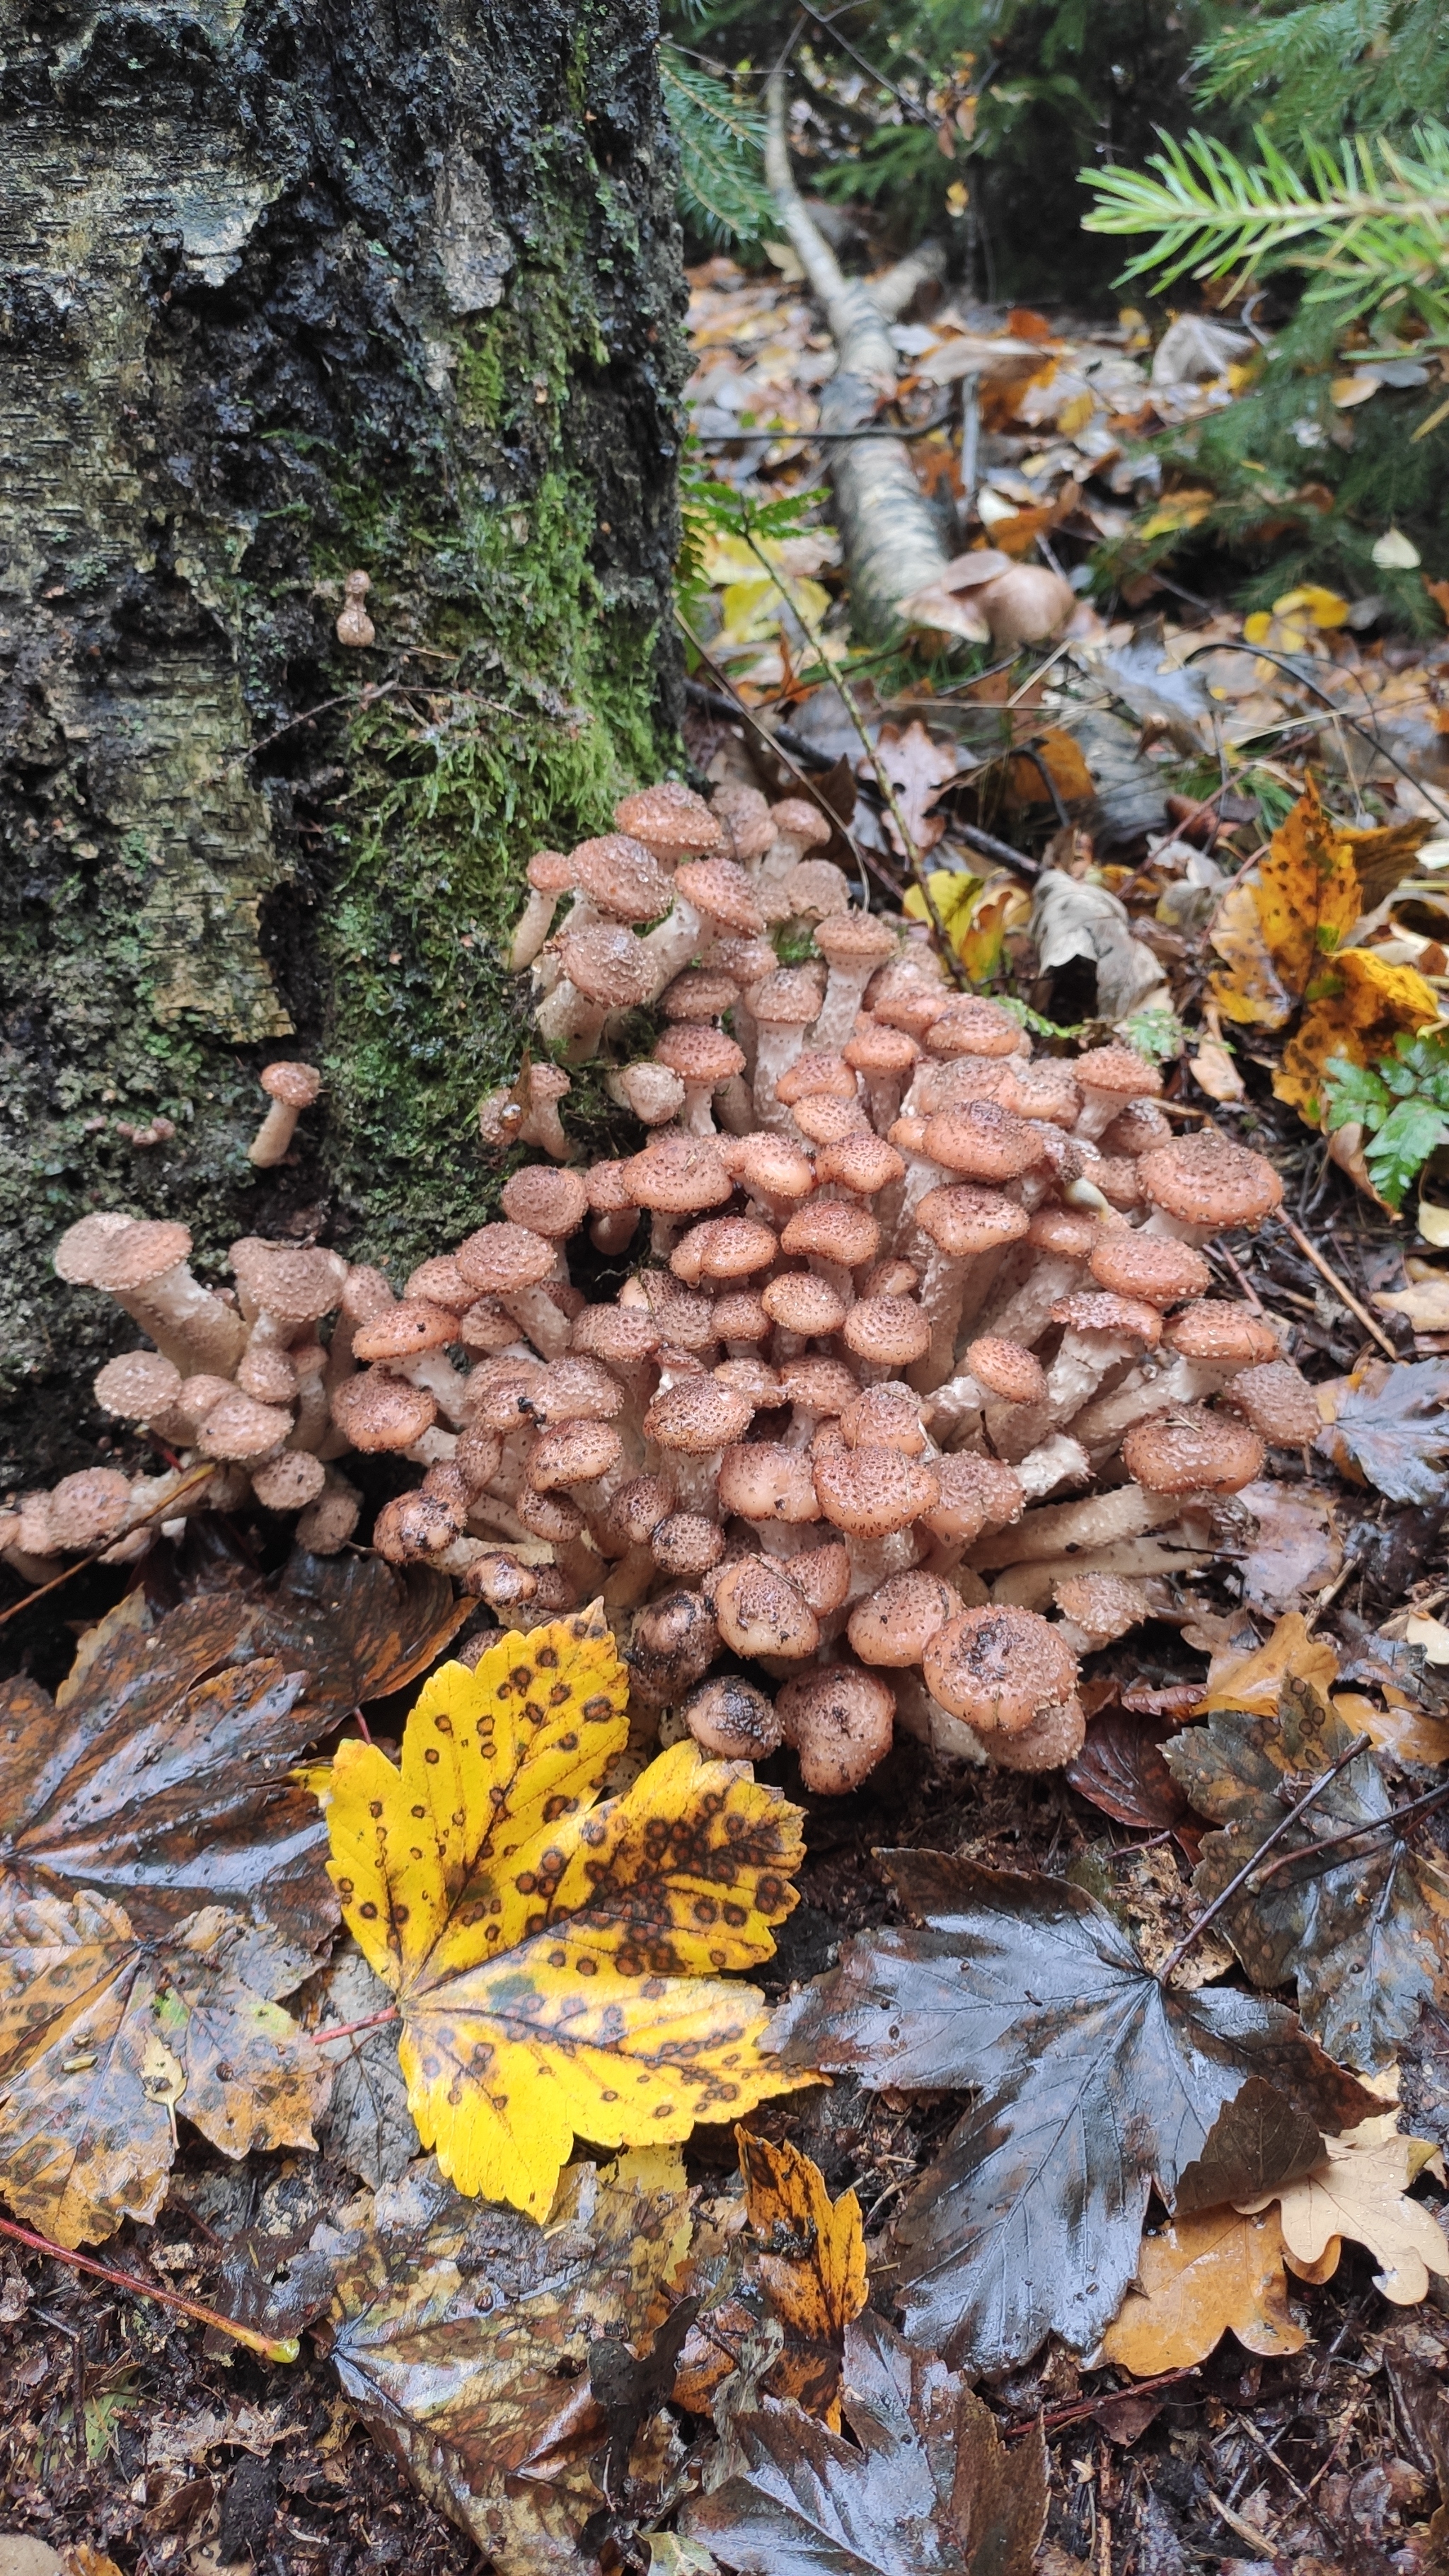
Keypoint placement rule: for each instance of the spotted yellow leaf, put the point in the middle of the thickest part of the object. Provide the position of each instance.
(1359, 1006)
(559, 1963)
(1276, 931)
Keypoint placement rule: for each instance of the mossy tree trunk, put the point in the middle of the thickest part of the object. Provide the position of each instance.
(297, 290)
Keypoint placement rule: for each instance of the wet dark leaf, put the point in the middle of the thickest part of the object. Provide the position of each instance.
(931, 2485)
(1392, 1424)
(367, 2123)
(1094, 2081)
(1121, 1770)
(1258, 2141)
(1354, 1926)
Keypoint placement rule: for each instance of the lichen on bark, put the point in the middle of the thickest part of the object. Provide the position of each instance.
(293, 293)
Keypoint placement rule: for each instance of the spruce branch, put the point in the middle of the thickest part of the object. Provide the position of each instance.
(721, 143)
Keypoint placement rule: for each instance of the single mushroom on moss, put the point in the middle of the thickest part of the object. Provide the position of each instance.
(290, 1088)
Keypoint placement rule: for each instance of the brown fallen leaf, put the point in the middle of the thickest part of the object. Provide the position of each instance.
(1296, 1548)
(1424, 1303)
(806, 2264)
(1397, 1728)
(1384, 856)
(1121, 1770)
(102, 2036)
(1276, 929)
(1252, 1682)
(917, 768)
(1198, 2277)
(1390, 1428)
(1213, 1070)
(1360, 2190)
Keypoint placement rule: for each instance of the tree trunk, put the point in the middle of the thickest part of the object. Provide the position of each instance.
(297, 291)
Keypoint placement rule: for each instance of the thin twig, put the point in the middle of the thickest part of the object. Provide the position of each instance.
(1353, 1833)
(1344, 1294)
(1246, 1289)
(1360, 1744)
(271, 2347)
(199, 1476)
(1059, 2415)
(344, 2029)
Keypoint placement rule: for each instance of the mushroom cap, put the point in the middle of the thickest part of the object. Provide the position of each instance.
(1065, 1231)
(969, 1026)
(268, 1374)
(1130, 1317)
(768, 1163)
(818, 1384)
(891, 1277)
(739, 1317)
(759, 1612)
(963, 1220)
(856, 941)
(699, 994)
(607, 964)
(1026, 604)
(365, 1292)
(653, 1093)
(639, 1506)
(1118, 1071)
(862, 1164)
(745, 814)
(1052, 1739)
(801, 1303)
(840, 1721)
(75, 1255)
(788, 999)
(501, 1260)
(486, 1325)
(999, 1668)
(723, 1247)
(575, 1389)
(573, 1453)
(1151, 1266)
(620, 1336)
(907, 994)
(296, 1287)
(1279, 1403)
(1215, 1330)
(752, 1378)
(815, 889)
(762, 1480)
(402, 1331)
(872, 1047)
(685, 1545)
(729, 1718)
(887, 1416)
(1136, 1129)
(870, 1491)
(239, 1428)
(817, 1073)
(823, 1121)
(290, 1482)
(1207, 1180)
(697, 1415)
(546, 1199)
(550, 872)
(744, 960)
(131, 1257)
(136, 1385)
(700, 1054)
(1103, 1606)
(621, 878)
(501, 1392)
(887, 1331)
(1188, 1450)
(669, 819)
(1044, 1089)
(896, 1623)
(831, 1230)
(412, 1527)
(442, 1283)
(1006, 1369)
(498, 1578)
(977, 1493)
(950, 1082)
(679, 1175)
(555, 1517)
(606, 1189)
(196, 1395)
(720, 889)
(802, 819)
(374, 1410)
(821, 1576)
(984, 1141)
(296, 1085)
(685, 1321)
(87, 1509)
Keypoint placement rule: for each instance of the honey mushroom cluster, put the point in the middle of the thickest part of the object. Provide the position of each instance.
(904, 1286)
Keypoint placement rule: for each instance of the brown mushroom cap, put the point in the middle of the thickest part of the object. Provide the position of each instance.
(1137, 1128)
(606, 1189)
(621, 878)
(295, 1085)
(699, 994)
(962, 1220)
(573, 1453)
(607, 964)
(745, 814)
(499, 1579)
(984, 1141)
(376, 1411)
(872, 1047)
(699, 1054)
(1117, 1071)
(723, 1247)
(697, 1415)
(1278, 1402)
(1006, 1369)
(960, 1078)
(818, 1384)
(970, 1026)
(887, 1416)
(1064, 1231)
(746, 960)
(75, 1255)
(814, 889)
(833, 1231)
(890, 1278)
(295, 1287)
(575, 1389)
(801, 1303)
(1103, 1606)
(501, 1260)
(888, 1332)
(87, 1509)
(290, 1482)
(268, 1374)
(241, 1429)
(136, 1385)
(545, 1199)
(486, 1325)
(1127, 1316)
(869, 1492)
(720, 889)
(686, 1322)
(441, 1283)
(620, 1336)
(977, 1493)
(907, 994)
(1051, 1740)
(831, 1122)
(1117, 1179)
(555, 1516)
(1207, 1180)
(840, 1721)
(669, 819)
(129, 1258)
(855, 940)
(1215, 1330)
(729, 1718)
(196, 1395)
(740, 1317)
(501, 1391)
(802, 819)
(1188, 1450)
(1151, 1266)
(679, 1175)
(402, 1331)
(821, 1576)
(863, 1164)
(752, 1378)
(685, 1545)
(412, 1527)
(639, 1506)
(896, 1623)
(759, 1612)
(788, 999)
(1000, 1668)
(1045, 1089)
(761, 1480)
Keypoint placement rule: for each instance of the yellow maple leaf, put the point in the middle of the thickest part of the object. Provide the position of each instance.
(1359, 2190)
(558, 1963)
(1203, 2273)
(1276, 931)
(1362, 1003)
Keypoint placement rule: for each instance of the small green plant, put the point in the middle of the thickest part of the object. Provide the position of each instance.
(1402, 1104)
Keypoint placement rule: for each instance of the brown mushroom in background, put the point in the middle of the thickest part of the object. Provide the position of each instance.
(550, 878)
(732, 1720)
(605, 968)
(510, 1262)
(291, 1088)
(671, 821)
(840, 1721)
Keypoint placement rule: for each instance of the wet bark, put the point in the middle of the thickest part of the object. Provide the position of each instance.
(293, 291)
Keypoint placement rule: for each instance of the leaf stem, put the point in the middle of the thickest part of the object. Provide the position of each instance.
(1360, 1744)
(1351, 1833)
(345, 2029)
(271, 2347)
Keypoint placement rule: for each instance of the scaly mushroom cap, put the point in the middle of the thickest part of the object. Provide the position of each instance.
(377, 1411)
(670, 820)
(1207, 1180)
(130, 1257)
(239, 1428)
(739, 1317)
(1137, 1128)
(606, 1189)
(962, 1078)
(832, 1122)
(1062, 1230)
(679, 1175)
(1116, 1179)
(550, 872)
(75, 1255)
(699, 1054)
(1000, 1668)
(818, 1384)
(984, 1141)
(87, 1509)
(802, 820)
(729, 1718)
(970, 1026)
(962, 1220)
(722, 891)
(621, 878)
(486, 1325)
(723, 1247)
(501, 1392)
(831, 1231)
(869, 1492)
(1103, 1606)
(855, 940)
(815, 890)
(697, 1415)
(573, 1453)
(685, 1322)
(759, 1612)
(196, 1396)
(762, 1480)
(890, 1278)
(402, 1331)
(788, 999)
(674, 1643)
(639, 1506)
(268, 1374)
(862, 1164)
(767, 1163)
(977, 1493)
(1052, 1739)
(1045, 1089)
(1214, 1330)
(621, 1336)
(840, 1721)
(896, 1624)
(295, 1287)
(1279, 1403)
(1116, 1071)
(1006, 1369)
(545, 1199)
(1127, 1316)
(872, 1047)
(137, 1385)
(502, 1260)
(746, 961)
(888, 1332)
(753, 1378)
(801, 1303)
(699, 994)
(288, 1483)
(607, 964)
(745, 814)
(1150, 1266)
(1190, 1451)
(441, 1283)
(816, 1074)
(908, 994)
(411, 1528)
(575, 1390)
(887, 1416)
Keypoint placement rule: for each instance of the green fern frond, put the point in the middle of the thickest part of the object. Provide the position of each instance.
(721, 152)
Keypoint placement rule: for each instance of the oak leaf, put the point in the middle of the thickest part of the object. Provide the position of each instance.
(1277, 928)
(1360, 2190)
(805, 2263)
(104, 2034)
(559, 1965)
(1093, 2081)
(1199, 2275)
(927, 2485)
(461, 2332)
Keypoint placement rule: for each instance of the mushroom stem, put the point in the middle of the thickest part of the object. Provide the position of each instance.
(840, 1009)
(671, 945)
(777, 1044)
(270, 1143)
(531, 929)
(535, 1313)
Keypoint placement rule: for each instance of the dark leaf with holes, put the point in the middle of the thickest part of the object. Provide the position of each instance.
(367, 2123)
(1093, 2082)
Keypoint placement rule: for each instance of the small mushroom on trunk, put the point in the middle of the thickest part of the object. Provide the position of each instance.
(290, 1088)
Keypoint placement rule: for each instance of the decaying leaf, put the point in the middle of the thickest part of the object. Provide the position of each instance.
(1358, 1005)
(461, 2333)
(1296, 1548)
(1121, 1770)
(1252, 1682)
(367, 2123)
(1093, 2081)
(927, 2485)
(102, 2036)
(1275, 930)
(918, 769)
(159, 1774)
(557, 1963)
(1352, 1925)
(1203, 2273)
(804, 2260)
(1424, 1303)
(1391, 1424)
(1398, 1729)
(1384, 855)
(1359, 2189)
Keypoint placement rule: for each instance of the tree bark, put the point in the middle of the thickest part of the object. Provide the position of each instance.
(295, 291)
